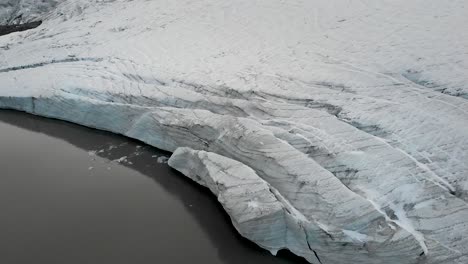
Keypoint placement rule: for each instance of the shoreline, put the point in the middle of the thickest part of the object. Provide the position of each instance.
(205, 211)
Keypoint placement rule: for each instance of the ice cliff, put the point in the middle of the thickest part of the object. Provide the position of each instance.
(335, 129)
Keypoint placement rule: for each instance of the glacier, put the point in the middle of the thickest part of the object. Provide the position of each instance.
(14, 12)
(335, 129)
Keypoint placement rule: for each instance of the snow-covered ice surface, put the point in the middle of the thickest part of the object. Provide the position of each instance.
(336, 129)
(23, 11)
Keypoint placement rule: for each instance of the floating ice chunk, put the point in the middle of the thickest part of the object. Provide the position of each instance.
(162, 159)
(121, 159)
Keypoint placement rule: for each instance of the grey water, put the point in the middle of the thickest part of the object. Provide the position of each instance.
(70, 194)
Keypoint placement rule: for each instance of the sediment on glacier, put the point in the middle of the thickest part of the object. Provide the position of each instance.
(7, 29)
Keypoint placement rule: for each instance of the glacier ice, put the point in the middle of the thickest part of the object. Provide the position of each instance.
(261, 213)
(340, 134)
(24, 11)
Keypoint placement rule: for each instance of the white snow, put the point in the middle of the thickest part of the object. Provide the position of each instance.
(355, 113)
(22, 11)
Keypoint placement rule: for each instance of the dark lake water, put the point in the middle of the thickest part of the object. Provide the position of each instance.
(69, 194)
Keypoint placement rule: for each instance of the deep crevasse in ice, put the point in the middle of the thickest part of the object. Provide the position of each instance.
(336, 129)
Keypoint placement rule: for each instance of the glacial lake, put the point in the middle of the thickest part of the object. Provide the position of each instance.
(74, 195)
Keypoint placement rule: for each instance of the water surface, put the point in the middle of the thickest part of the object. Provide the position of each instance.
(69, 194)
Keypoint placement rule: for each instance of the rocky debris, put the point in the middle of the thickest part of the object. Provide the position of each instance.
(7, 29)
